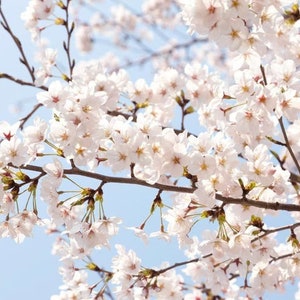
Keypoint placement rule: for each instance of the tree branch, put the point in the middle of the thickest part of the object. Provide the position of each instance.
(291, 152)
(167, 52)
(26, 118)
(171, 188)
(256, 203)
(280, 120)
(67, 45)
(270, 231)
(183, 263)
(23, 58)
(21, 82)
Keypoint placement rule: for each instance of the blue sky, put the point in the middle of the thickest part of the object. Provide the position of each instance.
(29, 271)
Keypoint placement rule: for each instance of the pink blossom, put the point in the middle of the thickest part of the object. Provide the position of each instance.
(13, 151)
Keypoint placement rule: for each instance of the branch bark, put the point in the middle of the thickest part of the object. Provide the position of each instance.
(171, 188)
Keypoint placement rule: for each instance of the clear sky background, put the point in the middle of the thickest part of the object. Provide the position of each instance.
(29, 271)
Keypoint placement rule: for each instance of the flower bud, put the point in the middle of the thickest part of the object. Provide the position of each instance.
(60, 4)
(22, 176)
(59, 21)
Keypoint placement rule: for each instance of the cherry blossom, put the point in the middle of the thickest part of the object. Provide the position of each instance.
(198, 105)
(13, 151)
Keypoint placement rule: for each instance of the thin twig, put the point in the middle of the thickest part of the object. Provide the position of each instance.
(67, 45)
(262, 69)
(21, 82)
(270, 231)
(288, 145)
(280, 120)
(26, 118)
(23, 58)
(183, 263)
(281, 257)
(161, 53)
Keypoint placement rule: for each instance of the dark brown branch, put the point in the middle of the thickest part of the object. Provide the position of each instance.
(26, 118)
(262, 69)
(257, 203)
(67, 45)
(172, 188)
(288, 146)
(294, 178)
(176, 265)
(21, 82)
(281, 257)
(23, 58)
(112, 179)
(280, 120)
(270, 231)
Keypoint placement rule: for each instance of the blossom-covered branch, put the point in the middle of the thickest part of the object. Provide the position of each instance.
(244, 201)
(209, 127)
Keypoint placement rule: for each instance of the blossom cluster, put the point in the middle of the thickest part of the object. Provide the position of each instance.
(234, 166)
